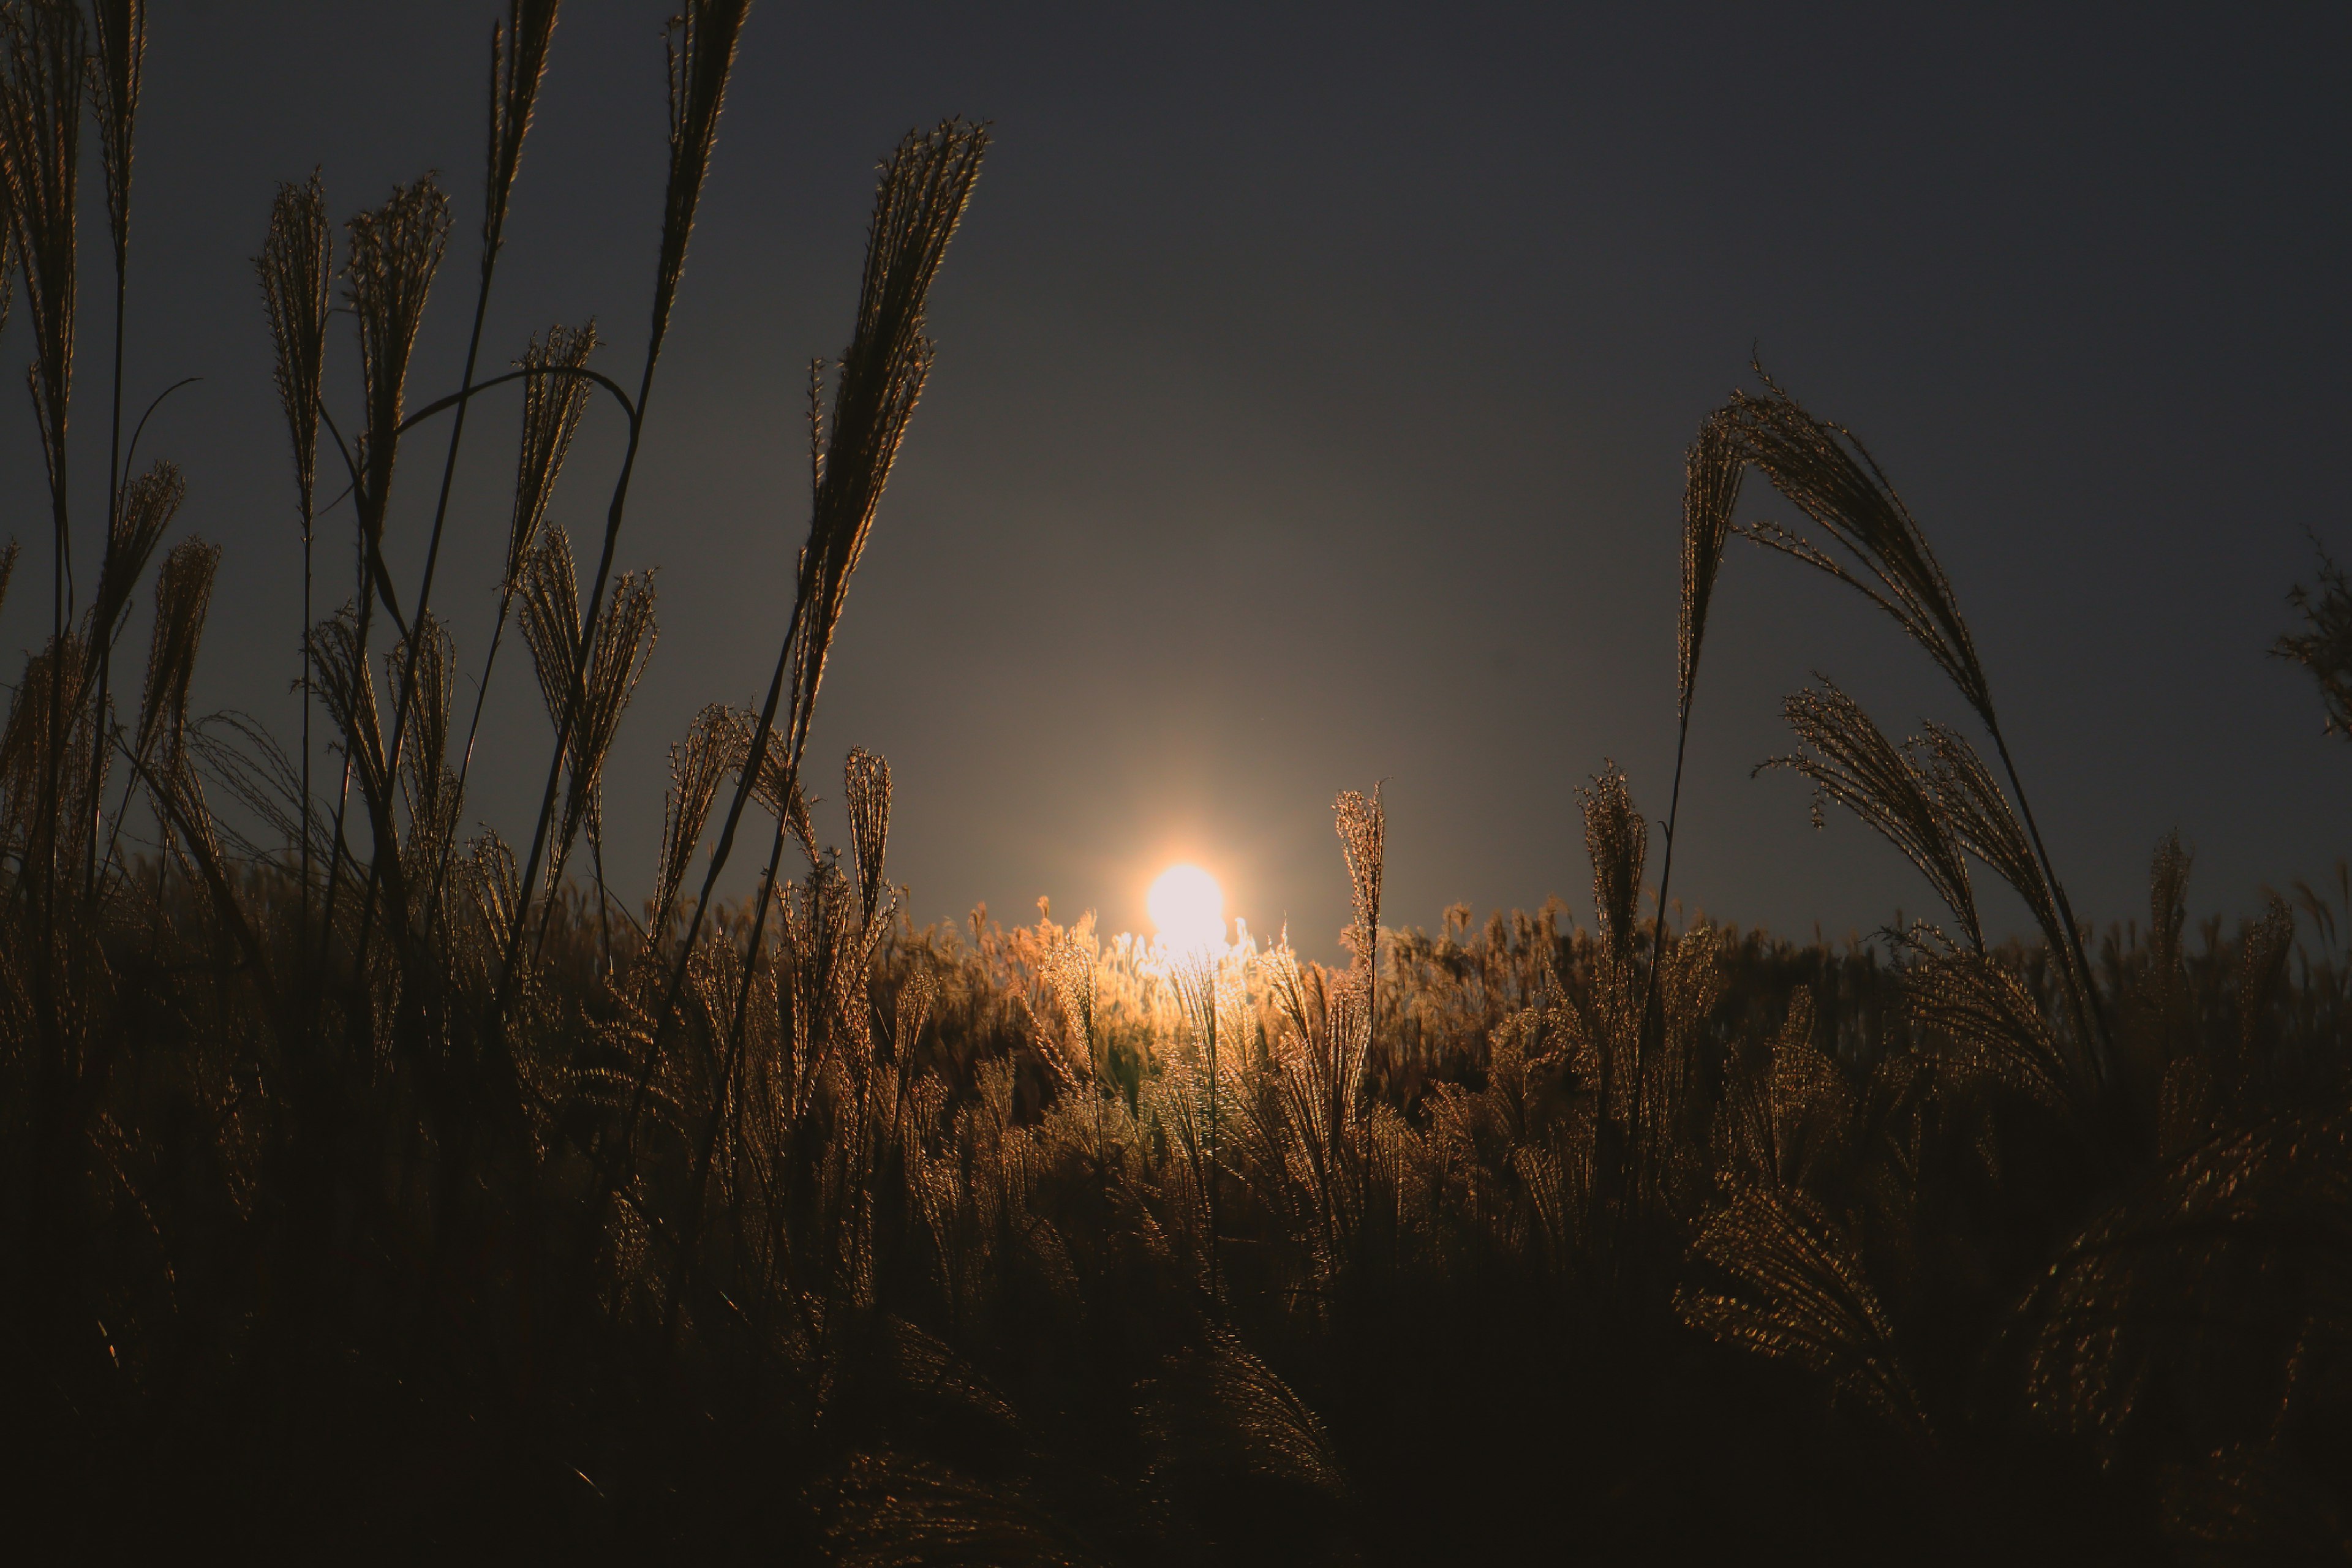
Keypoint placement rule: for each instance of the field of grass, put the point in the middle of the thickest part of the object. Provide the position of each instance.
(370, 1188)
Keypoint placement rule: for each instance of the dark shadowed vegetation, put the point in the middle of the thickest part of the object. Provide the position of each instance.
(369, 1179)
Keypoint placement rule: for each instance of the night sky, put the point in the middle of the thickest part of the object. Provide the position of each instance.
(1310, 410)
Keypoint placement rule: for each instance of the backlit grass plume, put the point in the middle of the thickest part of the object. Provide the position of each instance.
(702, 41)
(552, 629)
(552, 407)
(518, 63)
(1362, 827)
(1795, 1288)
(395, 251)
(1867, 539)
(924, 190)
(1850, 761)
(698, 765)
(297, 270)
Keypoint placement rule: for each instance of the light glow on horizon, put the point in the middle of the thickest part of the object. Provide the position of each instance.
(1188, 908)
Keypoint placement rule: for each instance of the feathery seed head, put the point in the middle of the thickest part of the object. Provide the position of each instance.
(866, 788)
(40, 154)
(518, 62)
(297, 267)
(925, 187)
(149, 504)
(1850, 761)
(697, 766)
(553, 405)
(1711, 474)
(395, 252)
(121, 39)
(1617, 841)
(1362, 825)
(701, 41)
(1827, 473)
(184, 593)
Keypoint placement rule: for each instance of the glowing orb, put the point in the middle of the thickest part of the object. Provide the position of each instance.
(1188, 908)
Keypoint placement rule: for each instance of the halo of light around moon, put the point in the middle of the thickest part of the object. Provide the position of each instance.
(1188, 908)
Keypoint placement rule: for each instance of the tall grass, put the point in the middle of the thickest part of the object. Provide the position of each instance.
(549, 1227)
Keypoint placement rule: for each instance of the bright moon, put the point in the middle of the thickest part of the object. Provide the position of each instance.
(1188, 908)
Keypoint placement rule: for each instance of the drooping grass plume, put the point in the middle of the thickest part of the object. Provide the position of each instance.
(149, 504)
(1796, 1289)
(183, 594)
(2238, 1246)
(2325, 645)
(1850, 761)
(1880, 549)
(1874, 545)
(1988, 1017)
(1981, 817)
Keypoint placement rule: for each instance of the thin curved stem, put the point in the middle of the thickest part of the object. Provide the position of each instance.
(2091, 1018)
(1657, 939)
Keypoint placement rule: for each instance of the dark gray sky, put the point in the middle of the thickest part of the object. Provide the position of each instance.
(1309, 408)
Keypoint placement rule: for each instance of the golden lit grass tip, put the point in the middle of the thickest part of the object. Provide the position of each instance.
(394, 251)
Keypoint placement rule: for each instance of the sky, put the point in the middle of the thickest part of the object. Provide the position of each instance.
(1311, 392)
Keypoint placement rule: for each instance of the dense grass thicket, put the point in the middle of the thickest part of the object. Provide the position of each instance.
(372, 1183)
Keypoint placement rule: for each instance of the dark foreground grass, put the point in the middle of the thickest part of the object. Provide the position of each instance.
(371, 1189)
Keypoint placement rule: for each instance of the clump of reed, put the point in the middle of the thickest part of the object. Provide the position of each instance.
(460, 1201)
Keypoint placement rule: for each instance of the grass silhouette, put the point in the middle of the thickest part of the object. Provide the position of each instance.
(370, 1188)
